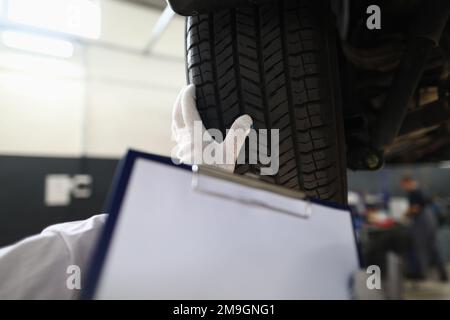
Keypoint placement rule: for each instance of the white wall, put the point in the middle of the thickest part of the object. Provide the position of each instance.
(100, 102)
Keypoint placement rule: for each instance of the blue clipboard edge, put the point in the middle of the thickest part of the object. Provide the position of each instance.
(112, 207)
(114, 204)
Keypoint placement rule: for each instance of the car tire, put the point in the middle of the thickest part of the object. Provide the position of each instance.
(277, 63)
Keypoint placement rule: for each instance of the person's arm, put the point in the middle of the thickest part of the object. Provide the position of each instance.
(37, 267)
(417, 202)
(413, 210)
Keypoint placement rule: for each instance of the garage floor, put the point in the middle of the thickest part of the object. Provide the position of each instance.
(430, 289)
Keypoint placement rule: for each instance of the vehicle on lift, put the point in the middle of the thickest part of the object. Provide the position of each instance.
(341, 94)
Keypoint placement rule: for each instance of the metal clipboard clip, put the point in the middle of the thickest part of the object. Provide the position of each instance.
(290, 202)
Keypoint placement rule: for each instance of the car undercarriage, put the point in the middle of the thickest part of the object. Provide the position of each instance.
(387, 87)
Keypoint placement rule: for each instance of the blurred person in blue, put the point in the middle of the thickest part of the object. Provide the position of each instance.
(423, 228)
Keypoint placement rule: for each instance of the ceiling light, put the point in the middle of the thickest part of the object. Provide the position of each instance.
(76, 17)
(37, 44)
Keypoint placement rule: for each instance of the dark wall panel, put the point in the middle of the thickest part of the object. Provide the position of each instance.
(23, 209)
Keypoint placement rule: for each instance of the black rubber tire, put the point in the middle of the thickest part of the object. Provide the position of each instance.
(277, 63)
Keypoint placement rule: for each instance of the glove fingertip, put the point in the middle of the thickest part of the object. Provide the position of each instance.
(245, 120)
(244, 123)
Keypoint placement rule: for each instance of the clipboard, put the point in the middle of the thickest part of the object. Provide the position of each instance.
(245, 246)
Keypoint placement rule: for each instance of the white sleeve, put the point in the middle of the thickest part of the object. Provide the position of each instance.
(37, 267)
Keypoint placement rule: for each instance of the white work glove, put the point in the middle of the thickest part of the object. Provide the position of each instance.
(195, 143)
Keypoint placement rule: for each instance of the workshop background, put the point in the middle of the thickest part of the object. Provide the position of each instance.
(76, 93)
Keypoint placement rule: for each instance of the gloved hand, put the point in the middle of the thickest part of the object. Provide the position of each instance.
(194, 141)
